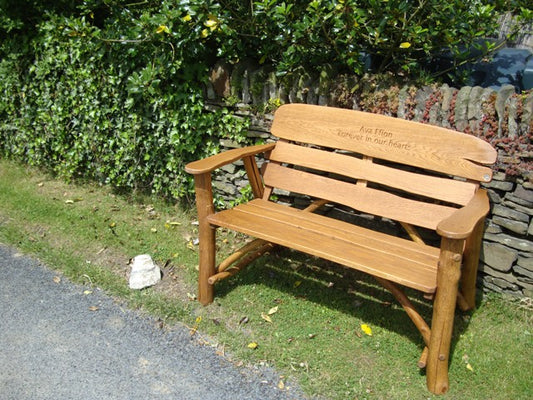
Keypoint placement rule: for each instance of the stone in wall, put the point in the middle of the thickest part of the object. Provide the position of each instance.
(527, 114)
(421, 98)
(498, 257)
(499, 182)
(447, 97)
(501, 102)
(510, 219)
(524, 268)
(461, 108)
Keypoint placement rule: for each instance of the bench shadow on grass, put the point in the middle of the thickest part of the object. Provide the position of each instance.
(339, 288)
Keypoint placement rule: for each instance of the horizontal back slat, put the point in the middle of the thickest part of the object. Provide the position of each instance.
(444, 189)
(387, 138)
(361, 198)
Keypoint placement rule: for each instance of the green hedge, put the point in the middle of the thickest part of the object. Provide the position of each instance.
(122, 104)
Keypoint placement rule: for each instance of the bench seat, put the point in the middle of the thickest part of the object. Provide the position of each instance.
(398, 260)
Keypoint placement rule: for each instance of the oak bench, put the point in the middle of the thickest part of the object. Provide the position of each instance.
(416, 174)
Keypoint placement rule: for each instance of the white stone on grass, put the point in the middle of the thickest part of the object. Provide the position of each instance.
(144, 272)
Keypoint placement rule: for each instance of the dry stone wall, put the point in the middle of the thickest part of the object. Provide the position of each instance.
(503, 117)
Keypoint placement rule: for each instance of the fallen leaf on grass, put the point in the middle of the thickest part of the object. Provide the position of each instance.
(169, 224)
(72, 201)
(266, 317)
(252, 345)
(467, 362)
(273, 310)
(366, 329)
(194, 329)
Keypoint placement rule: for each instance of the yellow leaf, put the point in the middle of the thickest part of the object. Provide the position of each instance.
(57, 279)
(252, 345)
(153, 230)
(204, 33)
(187, 18)
(87, 292)
(405, 45)
(366, 329)
(162, 28)
(212, 22)
(266, 317)
(469, 367)
(273, 310)
(281, 385)
(198, 320)
(297, 283)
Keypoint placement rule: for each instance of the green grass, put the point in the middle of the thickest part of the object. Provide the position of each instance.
(88, 233)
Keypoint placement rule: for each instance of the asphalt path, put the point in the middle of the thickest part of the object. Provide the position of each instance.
(58, 341)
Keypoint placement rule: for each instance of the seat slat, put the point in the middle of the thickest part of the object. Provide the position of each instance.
(322, 239)
(368, 200)
(449, 190)
(387, 138)
(399, 247)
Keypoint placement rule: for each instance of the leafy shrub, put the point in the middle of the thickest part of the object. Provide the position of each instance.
(122, 104)
(396, 35)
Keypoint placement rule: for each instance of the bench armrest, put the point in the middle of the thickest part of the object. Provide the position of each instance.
(461, 223)
(227, 157)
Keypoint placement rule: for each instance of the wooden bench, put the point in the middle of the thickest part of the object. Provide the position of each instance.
(416, 174)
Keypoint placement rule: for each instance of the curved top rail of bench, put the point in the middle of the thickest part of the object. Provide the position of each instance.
(388, 138)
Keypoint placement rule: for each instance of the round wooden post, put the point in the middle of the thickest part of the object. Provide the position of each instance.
(207, 259)
(448, 275)
(471, 262)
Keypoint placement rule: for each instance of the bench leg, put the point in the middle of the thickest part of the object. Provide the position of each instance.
(448, 275)
(470, 265)
(207, 236)
(206, 266)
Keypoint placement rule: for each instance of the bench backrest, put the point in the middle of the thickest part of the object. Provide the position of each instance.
(359, 160)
